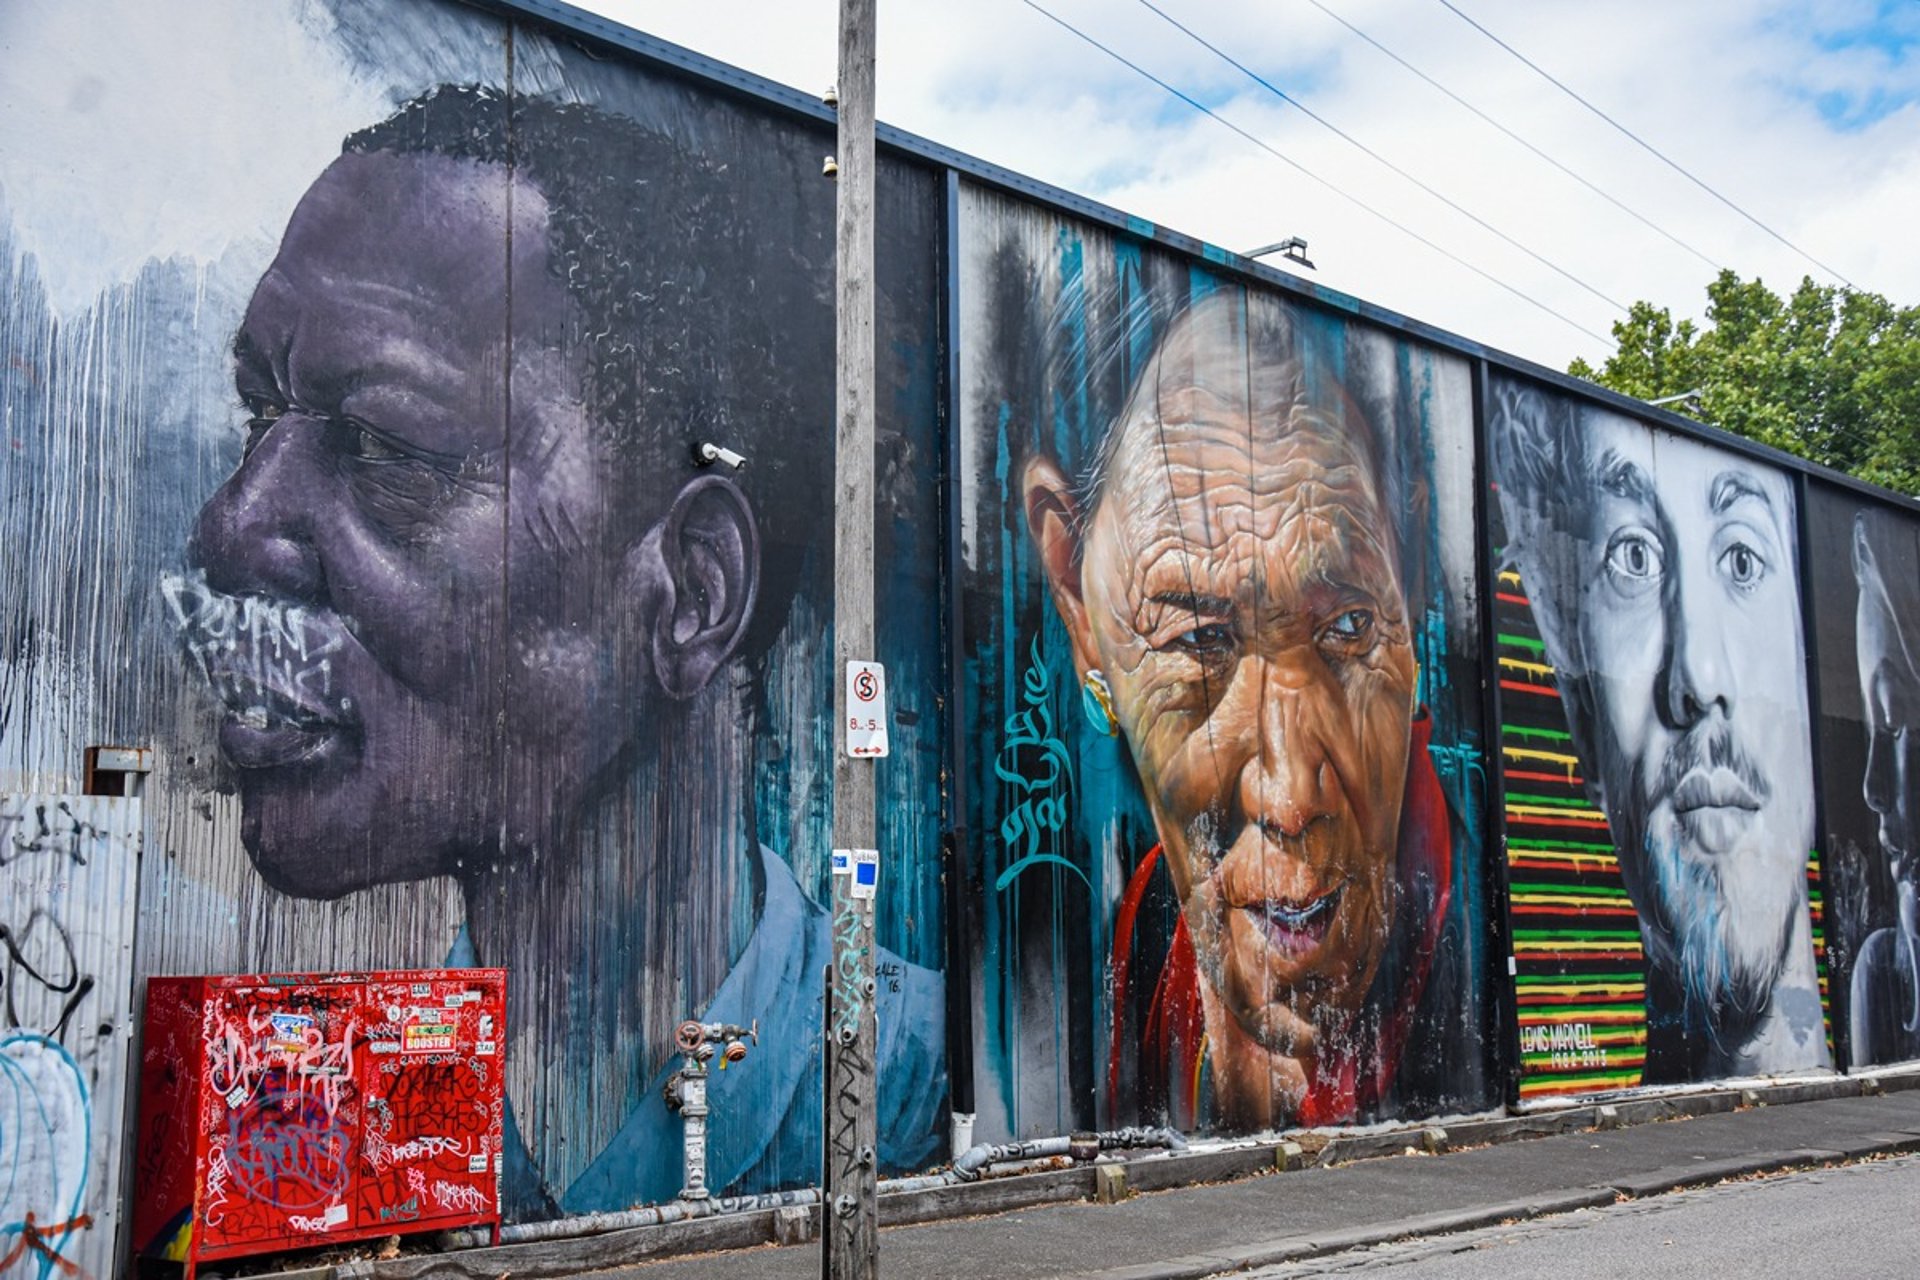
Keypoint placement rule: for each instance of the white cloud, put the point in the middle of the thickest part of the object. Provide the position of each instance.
(1733, 92)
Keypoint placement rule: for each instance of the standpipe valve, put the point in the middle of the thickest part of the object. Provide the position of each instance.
(686, 1089)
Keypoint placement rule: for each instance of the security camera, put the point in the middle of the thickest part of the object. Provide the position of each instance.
(706, 454)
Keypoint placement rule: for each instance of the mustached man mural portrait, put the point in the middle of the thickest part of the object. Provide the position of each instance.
(1225, 566)
(470, 661)
(1662, 576)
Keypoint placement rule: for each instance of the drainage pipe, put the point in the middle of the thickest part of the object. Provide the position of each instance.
(970, 1167)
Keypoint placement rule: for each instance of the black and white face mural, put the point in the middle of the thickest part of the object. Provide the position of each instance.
(1662, 575)
(1866, 596)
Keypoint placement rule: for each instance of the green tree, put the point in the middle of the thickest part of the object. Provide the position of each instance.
(1830, 374)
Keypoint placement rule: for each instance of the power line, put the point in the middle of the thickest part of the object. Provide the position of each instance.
(1598, 190)
(1644, 144)
(1354, 200)
(1348, 138)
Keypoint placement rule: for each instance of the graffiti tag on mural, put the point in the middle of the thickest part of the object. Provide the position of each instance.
(1034, 764)
(264, 658)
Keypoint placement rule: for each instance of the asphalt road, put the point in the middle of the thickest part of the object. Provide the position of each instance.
(1857, 1220)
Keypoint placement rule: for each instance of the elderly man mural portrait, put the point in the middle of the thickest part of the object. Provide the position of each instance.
(1230, 575)
(1662, 574)
(470, 610)
(1885, 1012)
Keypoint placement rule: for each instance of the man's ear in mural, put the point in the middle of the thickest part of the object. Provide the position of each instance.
(692, 581)
(1055, 524)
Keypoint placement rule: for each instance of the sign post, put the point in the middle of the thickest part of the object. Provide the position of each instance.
(849, 1235)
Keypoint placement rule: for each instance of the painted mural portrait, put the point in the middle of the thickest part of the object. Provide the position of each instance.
(470, 610)
(1229, 570)
(1885, 1012)
(1663, 578)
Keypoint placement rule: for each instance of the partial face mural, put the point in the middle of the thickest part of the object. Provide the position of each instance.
(1221, 555)
(459, 646)
(1866, 592)
(1662, 579)
(372, 487)
(1886, 632)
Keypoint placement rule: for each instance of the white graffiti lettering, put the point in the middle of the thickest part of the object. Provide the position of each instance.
(269, 661)
(385, 1155)
(242, 1051)
(455, 1198)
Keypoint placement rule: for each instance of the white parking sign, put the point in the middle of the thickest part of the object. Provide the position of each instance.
(866, 709)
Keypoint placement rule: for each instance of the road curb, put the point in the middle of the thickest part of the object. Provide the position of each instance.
(1297, 1248)
(1658, 1182)
(1454, 1221)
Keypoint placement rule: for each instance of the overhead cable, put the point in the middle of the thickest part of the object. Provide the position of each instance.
(1354, 200)
(1594, 187)
(1644, 144)
(1348, 138)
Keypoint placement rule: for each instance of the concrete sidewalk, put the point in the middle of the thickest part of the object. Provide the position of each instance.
(1205, 1230)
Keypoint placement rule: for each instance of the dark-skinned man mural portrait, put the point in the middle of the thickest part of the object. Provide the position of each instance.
(1246, 619)
(457, 597)
(466, 587)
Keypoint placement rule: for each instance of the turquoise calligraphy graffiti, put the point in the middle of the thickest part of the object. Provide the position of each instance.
(1034, 764)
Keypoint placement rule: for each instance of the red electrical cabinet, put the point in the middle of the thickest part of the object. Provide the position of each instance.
(284, 1111)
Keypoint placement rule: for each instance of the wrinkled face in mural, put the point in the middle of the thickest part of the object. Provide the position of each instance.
(1238, 585)
(1890, 705)
(1688, 632)
(422, 664)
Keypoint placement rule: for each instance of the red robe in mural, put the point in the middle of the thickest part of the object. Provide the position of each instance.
(1165, 1060)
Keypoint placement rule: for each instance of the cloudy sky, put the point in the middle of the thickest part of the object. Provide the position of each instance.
(1806, 115)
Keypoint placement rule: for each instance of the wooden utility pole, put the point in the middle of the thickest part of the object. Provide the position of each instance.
(849, 1233)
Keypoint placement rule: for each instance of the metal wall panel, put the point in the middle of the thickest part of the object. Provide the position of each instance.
(69, 867)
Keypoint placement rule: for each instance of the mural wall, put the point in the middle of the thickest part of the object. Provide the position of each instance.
(1223, 712)
(349, 467)
(356, 479)
(1864, 572)
(1656, 750)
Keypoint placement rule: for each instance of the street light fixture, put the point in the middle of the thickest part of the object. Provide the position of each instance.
(1293, 249)
(1689, 400)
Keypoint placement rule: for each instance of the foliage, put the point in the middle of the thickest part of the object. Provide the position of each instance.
(1830, 374)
